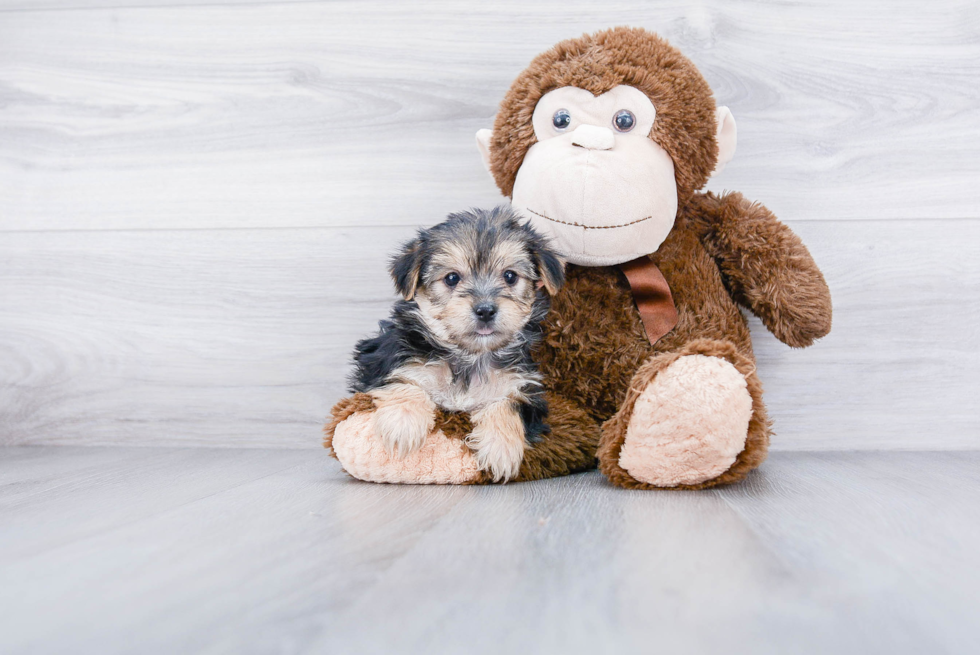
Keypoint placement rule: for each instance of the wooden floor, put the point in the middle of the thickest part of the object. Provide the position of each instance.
(106, 550)
(197, 203)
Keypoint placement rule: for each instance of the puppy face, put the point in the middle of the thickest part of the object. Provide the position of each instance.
(477, 276)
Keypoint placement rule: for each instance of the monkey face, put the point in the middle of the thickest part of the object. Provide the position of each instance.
(600, 139)
(595, 181)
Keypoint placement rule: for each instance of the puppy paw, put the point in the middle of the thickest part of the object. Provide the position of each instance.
(498, 441)
(404, 418)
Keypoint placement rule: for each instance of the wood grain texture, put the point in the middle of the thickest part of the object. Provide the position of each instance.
(311, 135)
(237, 337)
(341, 113)
(272, 551)
(242, 337)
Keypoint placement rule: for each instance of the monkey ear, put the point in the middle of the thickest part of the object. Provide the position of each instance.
(726, 137)
(406, 268)
(551, 268)
(483, 143)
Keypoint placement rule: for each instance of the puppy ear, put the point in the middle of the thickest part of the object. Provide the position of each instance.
(551, 268)
(406, 268)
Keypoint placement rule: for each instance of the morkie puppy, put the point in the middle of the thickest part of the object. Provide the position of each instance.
(475, 288)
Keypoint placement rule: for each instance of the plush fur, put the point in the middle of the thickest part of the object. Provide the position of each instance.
(723, 254)
(568, 447)
(688, 425)
(685, 125)
(352, 438)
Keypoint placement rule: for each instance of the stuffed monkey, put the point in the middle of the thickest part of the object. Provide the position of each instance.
(603, 143)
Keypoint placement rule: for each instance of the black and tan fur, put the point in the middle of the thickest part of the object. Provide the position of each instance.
(475, 290)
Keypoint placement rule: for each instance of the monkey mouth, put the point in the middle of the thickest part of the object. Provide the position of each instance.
(588, 227)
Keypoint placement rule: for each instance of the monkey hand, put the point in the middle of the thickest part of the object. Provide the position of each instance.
(353, 438)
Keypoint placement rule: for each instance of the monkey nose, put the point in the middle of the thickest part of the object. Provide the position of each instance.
(593, 137)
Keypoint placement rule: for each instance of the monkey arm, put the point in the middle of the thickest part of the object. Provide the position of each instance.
(765, 266)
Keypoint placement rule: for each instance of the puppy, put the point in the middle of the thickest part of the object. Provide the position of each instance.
(475, 288)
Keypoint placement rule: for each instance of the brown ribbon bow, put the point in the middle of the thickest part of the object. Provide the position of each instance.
(652, 296)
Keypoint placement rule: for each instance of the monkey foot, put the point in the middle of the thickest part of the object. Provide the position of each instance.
(687, 426)
(440, 460)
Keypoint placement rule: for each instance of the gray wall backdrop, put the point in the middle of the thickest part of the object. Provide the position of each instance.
(196, 202)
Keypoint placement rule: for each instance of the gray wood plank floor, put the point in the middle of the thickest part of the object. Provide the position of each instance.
(116, 550)
(196, 203)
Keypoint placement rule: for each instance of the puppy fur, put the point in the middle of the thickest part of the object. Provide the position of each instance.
(475, 289)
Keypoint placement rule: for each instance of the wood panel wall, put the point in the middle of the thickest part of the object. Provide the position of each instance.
(196, 202)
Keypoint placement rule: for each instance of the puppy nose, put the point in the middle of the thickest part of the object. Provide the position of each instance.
(485, 311)
(593, 137)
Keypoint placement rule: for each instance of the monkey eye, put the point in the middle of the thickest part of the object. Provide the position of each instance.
(561, 119)
(452, 279)
(624, 120)
(510, 277)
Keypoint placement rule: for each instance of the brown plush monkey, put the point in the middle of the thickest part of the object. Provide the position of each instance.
(603, 143)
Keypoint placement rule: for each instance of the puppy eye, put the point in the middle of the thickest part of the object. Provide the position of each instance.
(510, 277)
(561, 119)
(624, 120)
(452, 279)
